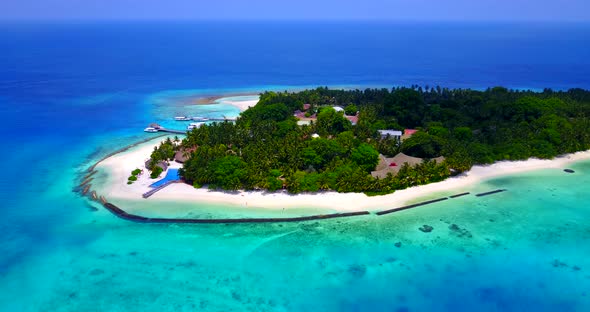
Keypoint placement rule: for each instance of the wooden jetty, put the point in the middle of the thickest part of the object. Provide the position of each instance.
(152, 192)
(171, 131)
(205, 119)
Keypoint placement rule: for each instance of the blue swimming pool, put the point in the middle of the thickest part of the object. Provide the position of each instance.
(171, 175)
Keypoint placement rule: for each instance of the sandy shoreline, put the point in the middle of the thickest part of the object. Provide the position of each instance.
(210, 99)
(119, 167)
(241, 104)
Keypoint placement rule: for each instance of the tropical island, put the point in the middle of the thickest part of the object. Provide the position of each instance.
(345, 141)
(335, 150)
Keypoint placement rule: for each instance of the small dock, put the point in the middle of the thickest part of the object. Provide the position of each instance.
(219, 119)
(206, 119)
(154, 127)
(153, 191)
(172, 131)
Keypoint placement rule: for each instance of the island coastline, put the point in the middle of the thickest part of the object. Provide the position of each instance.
(117, 168)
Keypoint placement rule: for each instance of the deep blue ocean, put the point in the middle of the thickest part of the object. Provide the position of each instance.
(71, 93)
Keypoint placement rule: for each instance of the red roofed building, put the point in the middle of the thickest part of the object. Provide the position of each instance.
(353, 119)
(299, 114)
(306, 106)
(409, 132)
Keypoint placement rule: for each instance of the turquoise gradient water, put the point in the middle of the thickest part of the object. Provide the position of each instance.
(70, 94)
(522, 249)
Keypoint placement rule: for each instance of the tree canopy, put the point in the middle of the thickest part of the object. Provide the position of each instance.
(266, 149)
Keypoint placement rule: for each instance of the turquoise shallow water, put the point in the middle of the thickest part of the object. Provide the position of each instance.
(522, 249)
(70, 94)
(525, 248)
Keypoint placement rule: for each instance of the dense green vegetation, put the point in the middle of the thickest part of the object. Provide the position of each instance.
(163, 153)
(266, 149)
(156, 171)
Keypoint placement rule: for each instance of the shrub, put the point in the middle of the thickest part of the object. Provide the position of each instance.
(132, 178)
(156, 172)
(136, 172)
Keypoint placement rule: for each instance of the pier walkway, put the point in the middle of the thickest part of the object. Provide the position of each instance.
(152, 192)
(171, 131)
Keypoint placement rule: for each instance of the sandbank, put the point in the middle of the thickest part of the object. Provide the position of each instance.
(119, 166)
(241, 100)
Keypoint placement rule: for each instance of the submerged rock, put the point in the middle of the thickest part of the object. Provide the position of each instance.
(426, 228)
(91, 208)
(398, 244)
(557, 264)
(96, 272)
(569, 170)
(357, 270)
(459, 231)
(236, 296)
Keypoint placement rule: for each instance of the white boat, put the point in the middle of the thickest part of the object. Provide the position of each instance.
(150, 129)
(182, 118)
(194, 125)
(200, 118)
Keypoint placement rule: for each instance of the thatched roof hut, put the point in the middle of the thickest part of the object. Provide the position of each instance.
(161, 164)
(393, 165)
(181, 157)
(183, 154)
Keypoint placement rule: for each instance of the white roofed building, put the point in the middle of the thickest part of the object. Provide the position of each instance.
(391, 133)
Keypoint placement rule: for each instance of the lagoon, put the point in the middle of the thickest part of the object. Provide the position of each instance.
(71, 94)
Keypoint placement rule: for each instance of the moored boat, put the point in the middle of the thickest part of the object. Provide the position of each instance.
(194, 125)
(150, 129)
(182, 118)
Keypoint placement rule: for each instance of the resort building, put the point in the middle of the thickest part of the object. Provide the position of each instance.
(408, 133)
(161, 164)
(353, 119)
(299, 114)
(183, 155)
(394, 134)
(393, 165)
(155, 126)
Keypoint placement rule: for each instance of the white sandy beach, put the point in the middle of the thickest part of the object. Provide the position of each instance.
(119, 167)
(242, 102)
